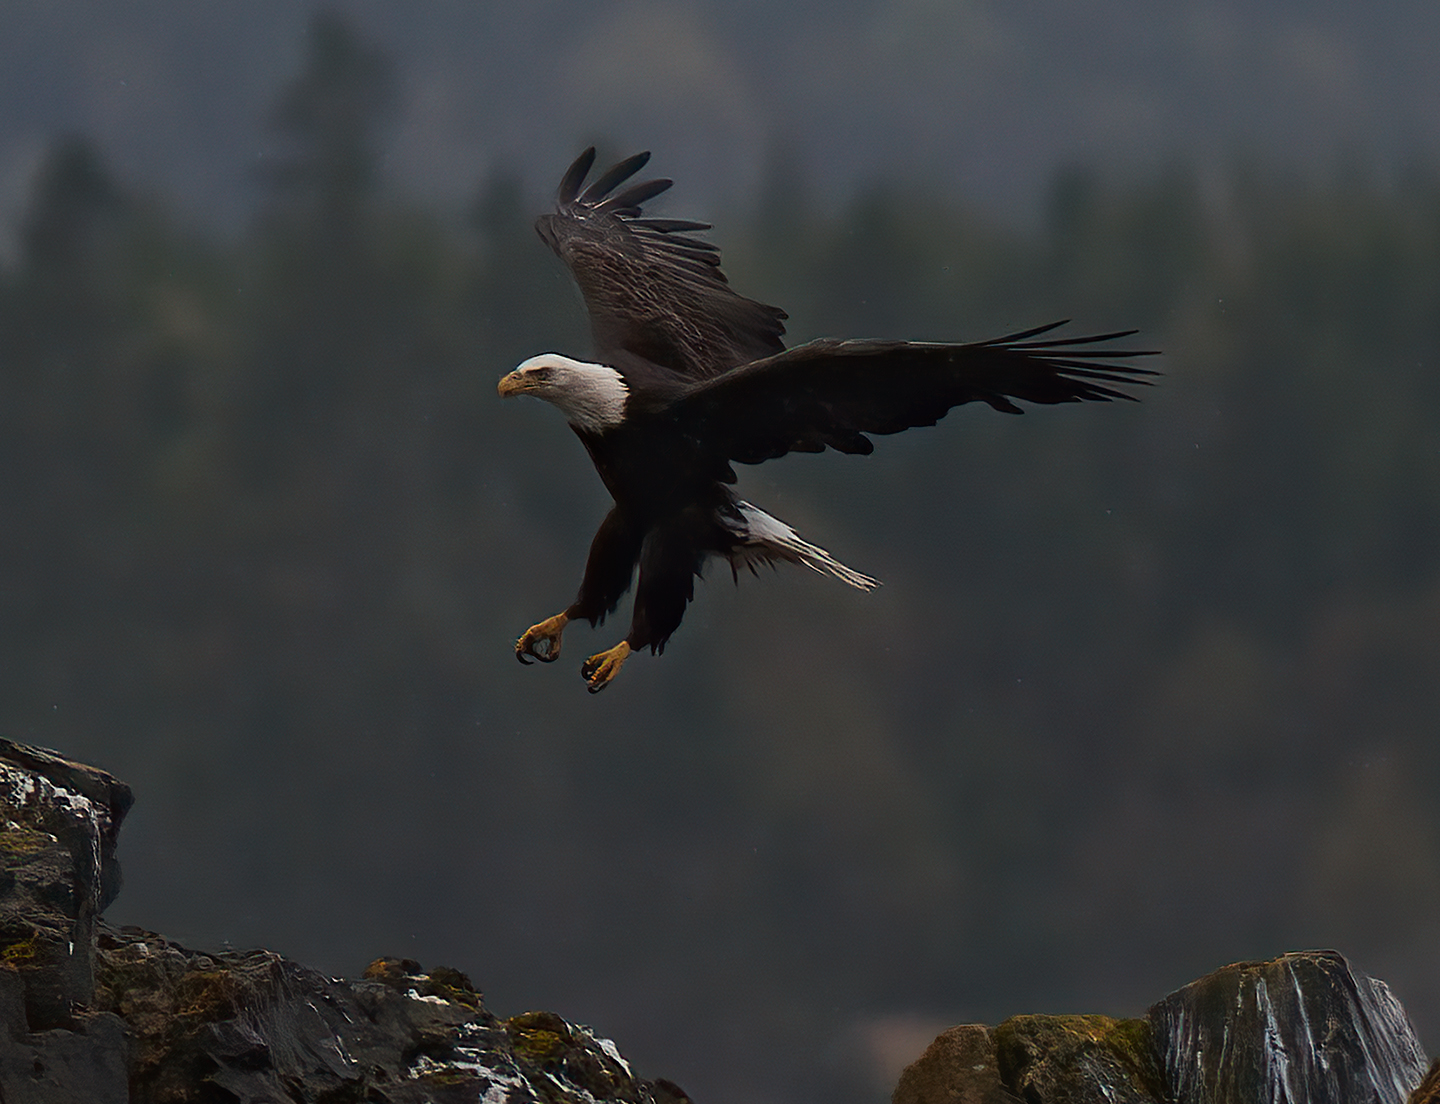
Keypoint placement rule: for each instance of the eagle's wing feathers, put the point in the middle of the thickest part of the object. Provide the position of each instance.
(652, 289)
(832, 393)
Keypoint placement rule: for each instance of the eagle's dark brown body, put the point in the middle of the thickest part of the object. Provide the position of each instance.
(692, 378)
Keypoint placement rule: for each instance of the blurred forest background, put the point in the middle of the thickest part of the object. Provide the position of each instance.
(1149, 688)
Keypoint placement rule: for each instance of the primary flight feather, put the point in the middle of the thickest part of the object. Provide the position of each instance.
(692, 377)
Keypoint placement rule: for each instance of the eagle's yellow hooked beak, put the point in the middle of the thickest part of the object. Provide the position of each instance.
(513, 384)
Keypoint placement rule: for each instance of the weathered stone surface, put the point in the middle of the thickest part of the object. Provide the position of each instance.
(1056, 1059)
(959, 1067)
(58, 871)
(1428, 1091)
(262, 1028)
(91, 837)
(86, 1062)
(1302, 1027)
(1037, 1060)
(58, 826)
(89, 1013)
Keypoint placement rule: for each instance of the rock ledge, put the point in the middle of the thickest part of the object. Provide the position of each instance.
(108, 1016)
(1301, 1027)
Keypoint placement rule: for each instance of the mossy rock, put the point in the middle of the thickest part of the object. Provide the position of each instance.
(1075, 1059)
(540, 1037)
(546, 1041)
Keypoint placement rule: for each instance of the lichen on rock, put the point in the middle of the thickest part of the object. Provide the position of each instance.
(1301, 1027)
(1053, 1058)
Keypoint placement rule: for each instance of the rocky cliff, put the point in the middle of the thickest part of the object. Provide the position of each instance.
(98, 1015)
(94, 1014)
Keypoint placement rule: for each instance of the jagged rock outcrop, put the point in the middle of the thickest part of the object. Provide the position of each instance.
(1299, 1027)
(261, 1028)
(1037, 1060)
(104, 1016)
(1048, 1057)
(1304, 1027)
(57, 873)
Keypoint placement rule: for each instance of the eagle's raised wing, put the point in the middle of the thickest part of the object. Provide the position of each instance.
(653, 289)
(831, 393)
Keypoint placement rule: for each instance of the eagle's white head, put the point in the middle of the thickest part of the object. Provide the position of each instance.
(591, 396)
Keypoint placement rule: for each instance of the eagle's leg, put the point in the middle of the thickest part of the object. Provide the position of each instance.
(542, 641)
(669, 561)
(612, 558)
(600, 668)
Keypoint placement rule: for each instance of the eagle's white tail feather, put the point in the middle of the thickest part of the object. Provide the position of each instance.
(767, 539)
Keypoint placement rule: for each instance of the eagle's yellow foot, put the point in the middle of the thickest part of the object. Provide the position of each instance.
(542, 641)
(599, 669)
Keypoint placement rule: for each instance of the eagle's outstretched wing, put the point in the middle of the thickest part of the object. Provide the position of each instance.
(653, 289)
(831, 393)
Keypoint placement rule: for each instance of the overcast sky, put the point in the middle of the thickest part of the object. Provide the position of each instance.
(980, 97)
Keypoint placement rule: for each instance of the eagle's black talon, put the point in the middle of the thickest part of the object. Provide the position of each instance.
(544, 649)
(542, 641)
(600, 669)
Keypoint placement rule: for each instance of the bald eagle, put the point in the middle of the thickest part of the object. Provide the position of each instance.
(691, 377)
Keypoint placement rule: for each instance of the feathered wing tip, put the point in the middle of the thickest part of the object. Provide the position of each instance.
(596, 199)
(574, 176)
(1076, 360)
(653, 285)
(671, 235)
(767, 539)
(621, 170)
